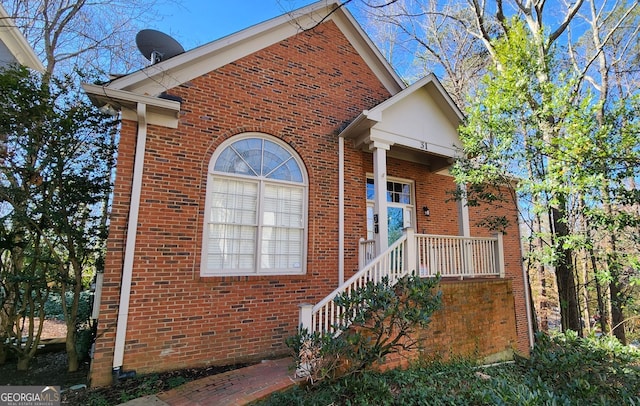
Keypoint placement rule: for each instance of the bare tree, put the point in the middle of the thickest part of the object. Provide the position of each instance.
(86, 35)
(435, 39)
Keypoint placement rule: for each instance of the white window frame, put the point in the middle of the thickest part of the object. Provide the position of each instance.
(261, 182)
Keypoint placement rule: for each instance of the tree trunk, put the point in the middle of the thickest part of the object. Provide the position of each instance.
(603, 308)
(617, 317)
(23, 362)
(71, 314)
(565, 278)
(584, 295)
(72, 353)
(532, 306)
(614, 265)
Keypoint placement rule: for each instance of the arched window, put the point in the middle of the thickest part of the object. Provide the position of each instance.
(256, 209)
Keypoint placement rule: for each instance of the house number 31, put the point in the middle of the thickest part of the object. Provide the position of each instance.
(423, 145)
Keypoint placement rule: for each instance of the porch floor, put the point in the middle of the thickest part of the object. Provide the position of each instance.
(237, 387)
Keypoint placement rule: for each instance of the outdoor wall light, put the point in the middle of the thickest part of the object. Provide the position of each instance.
(108, 109)
(426, 211)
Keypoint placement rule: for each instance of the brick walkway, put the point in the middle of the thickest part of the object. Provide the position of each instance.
(237, 387)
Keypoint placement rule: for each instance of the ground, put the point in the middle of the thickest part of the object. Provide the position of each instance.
(49, 367)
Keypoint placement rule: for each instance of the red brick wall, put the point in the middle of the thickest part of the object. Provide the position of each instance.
(476, 320)
(512, 256)
(303, 91)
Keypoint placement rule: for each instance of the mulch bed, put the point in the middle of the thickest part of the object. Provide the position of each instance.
(49, 367)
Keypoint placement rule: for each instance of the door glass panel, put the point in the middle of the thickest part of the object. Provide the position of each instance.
(399, 209)
(395, 223)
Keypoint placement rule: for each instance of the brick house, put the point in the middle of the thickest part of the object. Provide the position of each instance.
(262, 171)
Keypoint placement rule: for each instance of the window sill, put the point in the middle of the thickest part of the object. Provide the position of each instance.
(245, 274)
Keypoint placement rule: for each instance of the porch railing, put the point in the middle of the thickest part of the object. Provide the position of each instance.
(451, 256)
(324, 316)
(367, 252)
(429, 255)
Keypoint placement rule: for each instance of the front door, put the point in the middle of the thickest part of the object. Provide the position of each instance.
(399, 210)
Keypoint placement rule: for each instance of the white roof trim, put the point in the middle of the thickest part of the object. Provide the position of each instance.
(411, 143)
(429, 79)
(160, 111)
(162, 76)
(368, 118)
(17, 44)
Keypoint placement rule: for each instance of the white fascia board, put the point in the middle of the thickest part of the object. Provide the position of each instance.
(369, 51)
(159, 111)
(358, 125)
(447, 98)
(17, 44)
(182, 68)
(417, 144)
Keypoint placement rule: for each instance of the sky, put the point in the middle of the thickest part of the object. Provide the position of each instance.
(197, 22)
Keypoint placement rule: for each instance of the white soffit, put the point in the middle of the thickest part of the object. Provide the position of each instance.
(182, 68)
(16, 43)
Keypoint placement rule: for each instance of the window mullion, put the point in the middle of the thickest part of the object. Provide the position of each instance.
(260, 220)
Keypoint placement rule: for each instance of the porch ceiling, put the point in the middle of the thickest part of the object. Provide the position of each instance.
(420, 124)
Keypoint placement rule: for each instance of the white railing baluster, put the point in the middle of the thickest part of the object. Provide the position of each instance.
(388, 264)
(448, 256)
(454, 256)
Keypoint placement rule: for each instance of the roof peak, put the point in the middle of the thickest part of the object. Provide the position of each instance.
(157, 78)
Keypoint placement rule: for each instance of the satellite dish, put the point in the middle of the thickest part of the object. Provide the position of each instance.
(157, 46)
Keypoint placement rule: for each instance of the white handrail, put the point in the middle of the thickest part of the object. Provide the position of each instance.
(326, 314)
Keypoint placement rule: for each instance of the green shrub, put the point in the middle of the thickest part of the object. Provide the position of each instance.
(562, 370)
(591, 369)
(84, 339)
(378, 319)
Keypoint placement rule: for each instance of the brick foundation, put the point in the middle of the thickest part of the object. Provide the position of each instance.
(476, 321)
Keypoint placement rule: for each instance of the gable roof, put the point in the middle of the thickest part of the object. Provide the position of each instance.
(420, 119)
(157, 78)
(434, 88)
(14, 47)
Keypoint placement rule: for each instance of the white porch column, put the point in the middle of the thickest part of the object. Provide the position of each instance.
(463, 213)
(380, 184)
(465, 231)
(499, 254)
